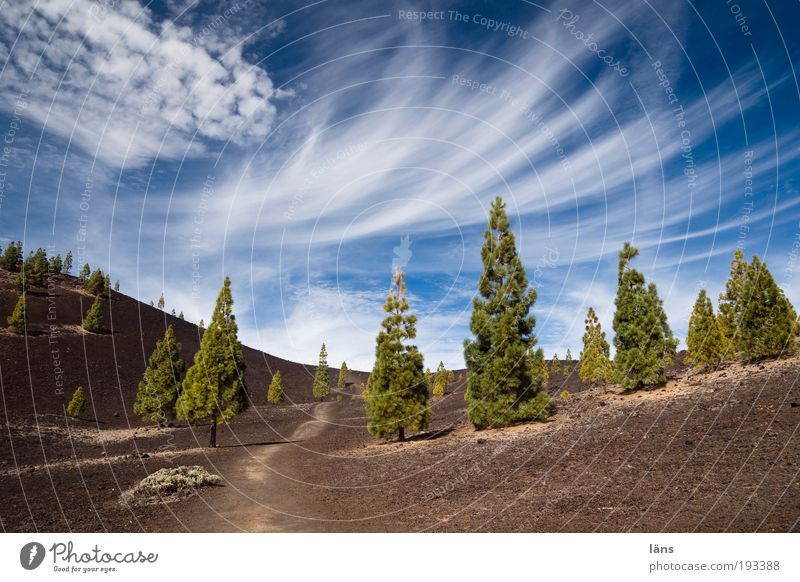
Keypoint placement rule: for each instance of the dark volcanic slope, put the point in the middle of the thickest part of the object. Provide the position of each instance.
(109, 365)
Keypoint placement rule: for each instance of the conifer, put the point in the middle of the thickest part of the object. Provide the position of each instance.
(321, 386)
(12, 256)
(68, 262)
(555, 365)
(643, 339)
(161, 384)
(97, 283)
(16, 321)
(77, 403)
(161, 302)
(56, 265)
(595, 365)
(84, 274)
(93, 321)
(707, 346)
(397, 391)
(214, 388)
(343, 371)
(502, 387)
(440, 381)
(275, 391)
(116, 285)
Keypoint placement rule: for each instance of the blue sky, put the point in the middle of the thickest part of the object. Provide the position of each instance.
(303, 149)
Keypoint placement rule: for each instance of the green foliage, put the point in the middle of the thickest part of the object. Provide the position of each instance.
(55, 265)
(175, 481)
(16, 321)
(214, 387)
(34, 270)
(97, 283)
(321, 385)
(93, 321)
(275, 391)
(68, 262)
(643, 339)
(568, 361)
(539, 372)
(502, 385)
(12, 257)
(161, 302)
(755, 317)
(595, 364)
(555, 365)
(440, 381)
(343, 371)
(160, 386)
(84, 274)
(77, 403)
(397, 391)
(565, 397)
(706, 344)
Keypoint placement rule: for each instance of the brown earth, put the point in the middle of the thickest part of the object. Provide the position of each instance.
(705, 452)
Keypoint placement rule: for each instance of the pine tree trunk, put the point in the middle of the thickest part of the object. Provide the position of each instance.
(214, 432)
(402, 433)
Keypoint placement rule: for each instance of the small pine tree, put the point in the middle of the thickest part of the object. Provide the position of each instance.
(161, 302)
(180, 315)
(343, 371)
(275, 392)
(84, 274)
(440, 381)
(77, 403)
(321, 386)
(214, 388)
(768, 322)
(97, 283)
(56, 265)
(68, 262)
(93, 321)
(643, 340)
(555, 365)
(202, 324)
(568, 362)
(172, 313)
(539, 373)
(12, 256)
(502, 385)
(116, 285)
(705, 341)
(595, 365)
(16, 321)
(397, 389)
(160, 386)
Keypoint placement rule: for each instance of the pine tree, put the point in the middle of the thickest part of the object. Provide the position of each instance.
(555, 365)
(643, 339)
(16, 321)
(68, 262)
(343, 371)
(12, 256)
(321, 385)
(768, 322)
(77, 403)
(116, 285)
(397, 387)
(161, 302)
(214, 388)
(202, 324)
(173, 313)
(84, 274)
(440, 381)
(568, 362)
(275, 392)
(539, 372)
(731, 302)
(160, 386)
(595, 365)
(706, 344)
(180, 315)
(93, 321)
(502, 387)
(97, 283)
(56, 265)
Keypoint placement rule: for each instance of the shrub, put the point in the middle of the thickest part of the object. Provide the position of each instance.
(175, 481)
(16, 321)
(93, 321)
(77, 403)
(565, 397)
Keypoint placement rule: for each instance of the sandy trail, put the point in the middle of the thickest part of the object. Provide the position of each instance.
(260, 492)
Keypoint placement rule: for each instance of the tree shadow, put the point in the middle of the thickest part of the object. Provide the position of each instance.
(257, 444)
(431, 434)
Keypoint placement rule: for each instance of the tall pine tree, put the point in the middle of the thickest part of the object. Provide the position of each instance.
(93, 321)
(160, 386)
(16, 321)
(440, 381)
(275, 391)
(322, 382)
(343, 371)
(397, 389)
(503, 386)
(214, 387)
(643, 340)
(595, 365)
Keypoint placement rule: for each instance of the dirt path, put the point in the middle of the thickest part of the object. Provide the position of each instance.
(262, 491)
